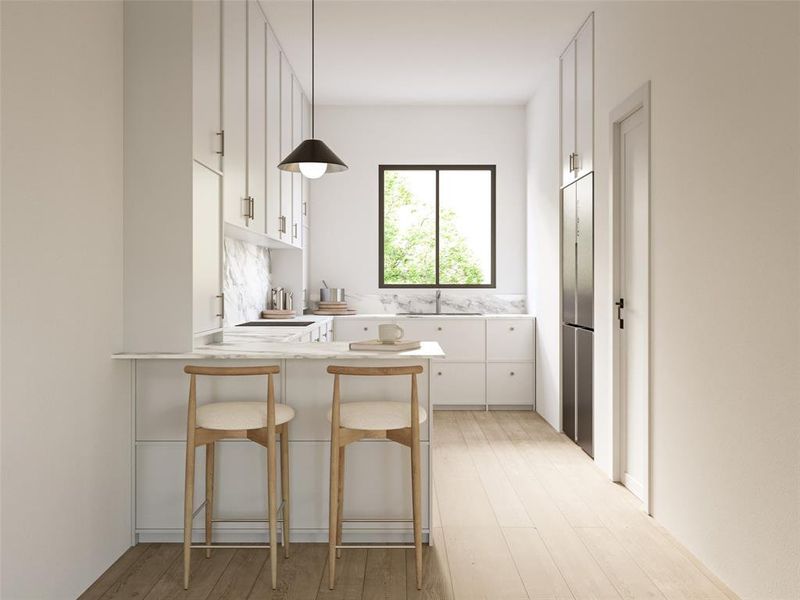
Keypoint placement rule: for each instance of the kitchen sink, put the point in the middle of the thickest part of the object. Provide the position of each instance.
(433, 314)
(276, 324)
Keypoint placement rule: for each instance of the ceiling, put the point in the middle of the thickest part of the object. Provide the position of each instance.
(424, 51)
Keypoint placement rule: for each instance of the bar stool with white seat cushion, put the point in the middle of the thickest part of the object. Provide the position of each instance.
(353, 421)
(256, 421)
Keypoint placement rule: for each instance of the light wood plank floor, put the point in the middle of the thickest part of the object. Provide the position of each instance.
(520, 513)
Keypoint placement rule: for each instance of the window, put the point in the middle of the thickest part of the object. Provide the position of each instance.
(436, 226)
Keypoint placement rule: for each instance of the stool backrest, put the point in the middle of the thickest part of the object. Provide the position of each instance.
(412, 370)
(195, 370)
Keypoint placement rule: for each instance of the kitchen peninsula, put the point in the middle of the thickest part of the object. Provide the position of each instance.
(377, 479)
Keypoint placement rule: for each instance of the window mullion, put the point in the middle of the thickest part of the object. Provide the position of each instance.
(437, 227)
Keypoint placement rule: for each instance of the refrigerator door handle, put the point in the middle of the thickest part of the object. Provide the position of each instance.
(620, 305)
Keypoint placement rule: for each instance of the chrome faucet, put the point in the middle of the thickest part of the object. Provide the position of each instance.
(438, 301)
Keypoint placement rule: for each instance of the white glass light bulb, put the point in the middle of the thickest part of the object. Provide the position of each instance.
(313, 170)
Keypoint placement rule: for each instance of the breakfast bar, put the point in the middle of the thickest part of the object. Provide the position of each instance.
(378, 476)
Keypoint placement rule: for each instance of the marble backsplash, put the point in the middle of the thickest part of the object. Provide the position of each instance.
(245, 281)
(476, 301)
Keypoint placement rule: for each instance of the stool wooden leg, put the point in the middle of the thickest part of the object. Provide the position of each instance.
(188, 490)
(285, 487)
(209, 494)
(273, 509)
(415, 481)
(333, 511)
(340, 502)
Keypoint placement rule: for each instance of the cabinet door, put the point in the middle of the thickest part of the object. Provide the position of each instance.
(297, 178)
(306, 268)
(207, 252)
(509, 384)
(509, 340)
(207, 82)
(458, 384)
(568, 381)
(584, 98)
(306, 181)
(569, 200)
(256, 114)
(584, 368)
(463, 340)
(567, 113)
(286, 147)
(273, 126)
(234, 109)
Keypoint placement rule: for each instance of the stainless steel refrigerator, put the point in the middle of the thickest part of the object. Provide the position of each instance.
(577, 320)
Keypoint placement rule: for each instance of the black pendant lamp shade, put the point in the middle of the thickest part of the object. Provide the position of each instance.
(312, 157)
(314, 152)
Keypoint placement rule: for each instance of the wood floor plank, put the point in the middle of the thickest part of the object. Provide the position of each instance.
(204, 574)
(299, 575)
(481, 565)
(350, 571)
(113, 573)
(631, 581)
(385, 576)
(240, 576)
(507, 507)
(540, 575)
(140, 578)
(436, 582)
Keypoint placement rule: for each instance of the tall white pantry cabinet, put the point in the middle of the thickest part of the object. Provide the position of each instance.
(211, 106)
(577, 105)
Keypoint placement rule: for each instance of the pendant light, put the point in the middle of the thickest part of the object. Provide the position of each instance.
(312, 157)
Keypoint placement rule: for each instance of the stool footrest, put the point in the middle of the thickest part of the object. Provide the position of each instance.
(233, 546)
(376, 546)
(377, 520)
(244, 520)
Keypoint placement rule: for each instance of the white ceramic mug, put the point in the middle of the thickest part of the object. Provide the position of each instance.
(389, 333)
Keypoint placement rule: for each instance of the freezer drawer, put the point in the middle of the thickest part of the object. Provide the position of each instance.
(584, 353)
(568, 381)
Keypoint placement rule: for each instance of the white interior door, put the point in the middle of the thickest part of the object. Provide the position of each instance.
(632, 282)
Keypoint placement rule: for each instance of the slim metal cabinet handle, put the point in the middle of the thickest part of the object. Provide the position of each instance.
(294, 230)
(305, 209)
(221, 150)
(221, 313)
(252, 207)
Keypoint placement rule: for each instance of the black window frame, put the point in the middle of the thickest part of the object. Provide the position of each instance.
(437, 168)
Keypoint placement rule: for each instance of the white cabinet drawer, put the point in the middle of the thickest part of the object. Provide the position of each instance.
(354, 330)
(461, 340)
(509, 383)
(509, 340)
(461, 384)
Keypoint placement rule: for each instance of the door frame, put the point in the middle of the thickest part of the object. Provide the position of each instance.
(638, 100)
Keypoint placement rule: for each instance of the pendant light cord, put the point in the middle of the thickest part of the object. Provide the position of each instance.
(312, 70)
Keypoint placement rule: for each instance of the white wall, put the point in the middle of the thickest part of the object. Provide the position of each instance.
(725, 273)
(65, 413)
(344, 208)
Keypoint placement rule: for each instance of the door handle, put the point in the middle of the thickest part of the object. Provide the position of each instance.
(620, 305)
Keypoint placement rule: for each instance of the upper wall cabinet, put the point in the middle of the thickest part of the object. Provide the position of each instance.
(234, 111)
(207, 83)
(297, 179)
(287, 178)
(256, 116)
(273, 206)
(577, 105)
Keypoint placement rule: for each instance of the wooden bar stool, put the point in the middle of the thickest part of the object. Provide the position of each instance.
(353, 421)
(256, 421)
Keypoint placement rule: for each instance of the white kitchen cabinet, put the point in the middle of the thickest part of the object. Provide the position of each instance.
(297, 178)
(509, 384)
(509, 340)
(256, 116)
(349, 329)
(577, 105)
(459, 384)
(207, 82)
(287, 178)
(207, 250)
(463, 340)
(306, 267)
(306, 122)
(273, 132)
(234, 111)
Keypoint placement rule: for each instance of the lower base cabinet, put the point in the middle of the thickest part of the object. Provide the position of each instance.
(509, 384)
(458, 384)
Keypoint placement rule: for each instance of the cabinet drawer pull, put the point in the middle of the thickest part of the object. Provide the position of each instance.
(511, 328)
(439, 373)
(366, 328)
(438, 329)
(512, 373)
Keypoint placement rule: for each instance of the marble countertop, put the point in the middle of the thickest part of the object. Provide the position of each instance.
(435, 316)
(245, 346)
